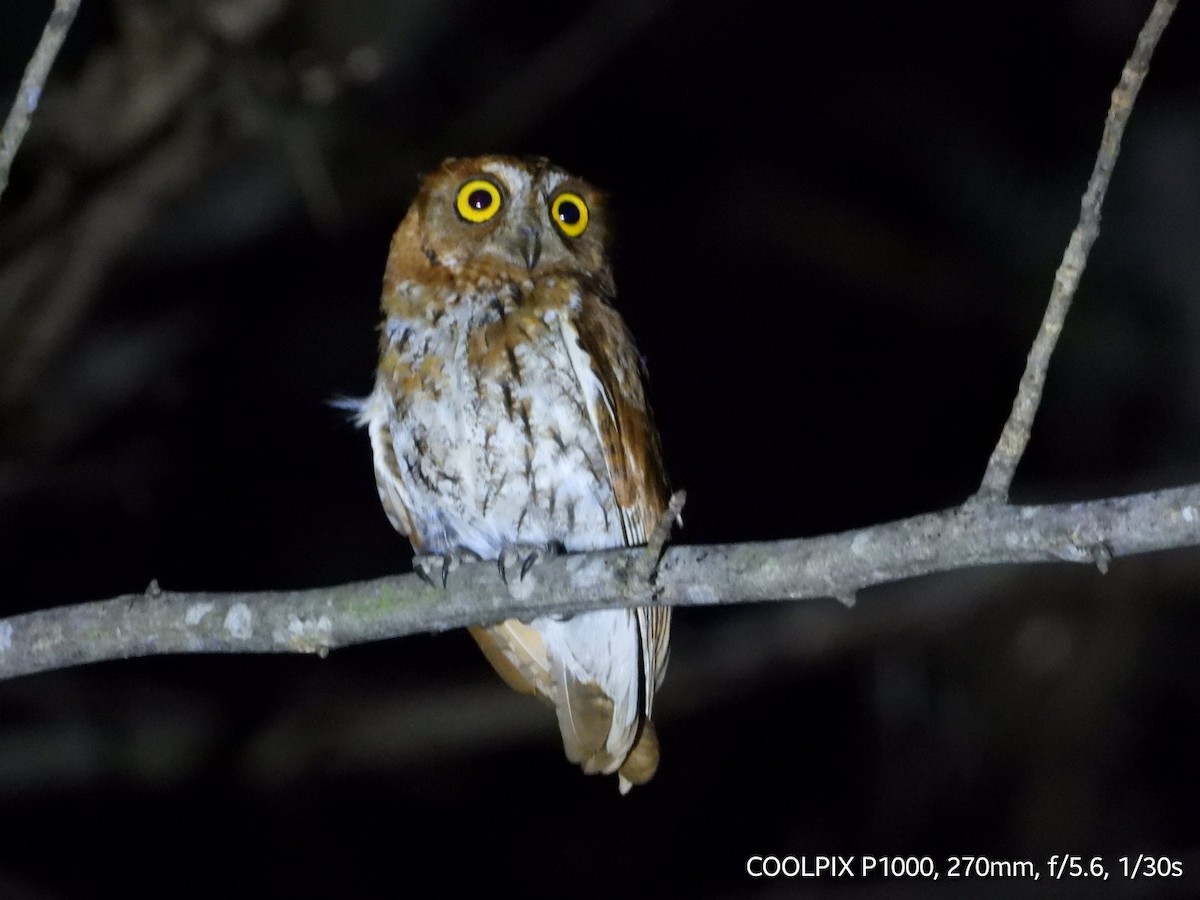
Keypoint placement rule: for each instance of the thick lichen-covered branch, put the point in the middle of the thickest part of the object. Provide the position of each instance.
(838, 565)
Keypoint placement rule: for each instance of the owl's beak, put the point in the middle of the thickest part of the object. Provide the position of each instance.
(529, 245)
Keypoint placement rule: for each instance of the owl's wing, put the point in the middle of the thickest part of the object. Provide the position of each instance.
(611, 374)
(375, 414)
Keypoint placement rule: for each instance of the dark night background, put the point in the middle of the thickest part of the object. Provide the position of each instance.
(837, 227)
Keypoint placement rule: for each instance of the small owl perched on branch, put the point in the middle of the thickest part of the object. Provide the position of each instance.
(509, 418)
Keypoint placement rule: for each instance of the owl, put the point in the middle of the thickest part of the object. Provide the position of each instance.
(509, 420)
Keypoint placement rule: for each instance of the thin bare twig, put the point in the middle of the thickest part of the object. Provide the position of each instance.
(315, 621)
(1002, 464)
(32, 84)
(657, 540)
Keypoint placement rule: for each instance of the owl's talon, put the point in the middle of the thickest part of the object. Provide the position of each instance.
(434, 569)
(527, 555)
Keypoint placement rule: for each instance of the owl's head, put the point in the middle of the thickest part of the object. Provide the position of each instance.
(523, 217)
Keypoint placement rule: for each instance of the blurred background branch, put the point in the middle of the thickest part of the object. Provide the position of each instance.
(33, 83)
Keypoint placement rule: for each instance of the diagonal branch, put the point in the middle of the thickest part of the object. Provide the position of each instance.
(318, 620)
(1002, 465)
(32, 83)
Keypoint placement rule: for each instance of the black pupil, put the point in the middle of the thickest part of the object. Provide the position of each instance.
(479, 199)
(568, 212)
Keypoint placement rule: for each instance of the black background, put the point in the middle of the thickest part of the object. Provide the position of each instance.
(837, 225)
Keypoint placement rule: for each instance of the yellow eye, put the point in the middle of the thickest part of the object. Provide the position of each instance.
(478, 200)
(570, 214)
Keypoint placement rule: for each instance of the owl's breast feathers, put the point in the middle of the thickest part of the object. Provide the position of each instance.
(508, 410)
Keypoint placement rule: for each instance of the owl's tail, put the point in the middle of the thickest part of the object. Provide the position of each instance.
(591, 737)
(642, 761)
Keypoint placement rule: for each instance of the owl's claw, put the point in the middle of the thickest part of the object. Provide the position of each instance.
(518, 559)
(434, 569)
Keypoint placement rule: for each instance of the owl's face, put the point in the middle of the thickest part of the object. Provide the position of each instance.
(524, 216)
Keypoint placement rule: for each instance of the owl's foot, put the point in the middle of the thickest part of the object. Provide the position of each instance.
(516, 560)
(434, 569)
